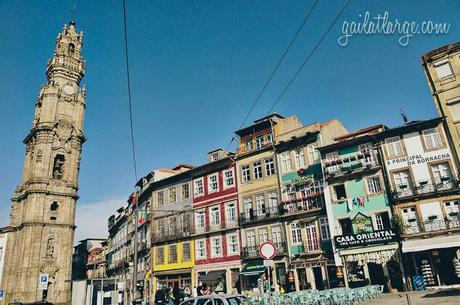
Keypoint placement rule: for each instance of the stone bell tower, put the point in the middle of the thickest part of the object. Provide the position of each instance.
(43, 206)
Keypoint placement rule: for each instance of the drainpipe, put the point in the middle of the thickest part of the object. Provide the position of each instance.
(391, 201)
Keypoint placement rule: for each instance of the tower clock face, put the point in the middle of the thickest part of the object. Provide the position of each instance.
(68, 90)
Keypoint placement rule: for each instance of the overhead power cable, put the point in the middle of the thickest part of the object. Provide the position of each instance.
(308, 58)
(272, 74)
(131, 123)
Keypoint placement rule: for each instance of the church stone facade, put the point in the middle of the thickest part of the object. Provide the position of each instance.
(43, 206)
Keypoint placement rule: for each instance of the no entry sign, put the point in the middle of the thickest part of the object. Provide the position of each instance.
(267, 250)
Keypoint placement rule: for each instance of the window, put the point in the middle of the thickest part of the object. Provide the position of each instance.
(432, 138)
(213, 183)
(231, 212)
(160, 255)
(186, 252)
(228, 178)
(71, 48)
(161, 228)
(199, 218)
(366, 149)
(248, 145)
(251, 238)
(410, 220)
(232, 244)
(332, 157)
(312, 237)
(441, 173)
(260, 204)
(214, 156)
(263, 235)
(313, 153)
(299, 158)
(382, 221)
(215, 216)
(394, 146)
(200, 248)
(276, 235)
(185, 191)
(345, 225)
(58, 167)
(259, 142)
(247, 201)
(403, 181)
(453, 105)
(216, 246)
(257, 170)
(273, 202)
(269, 137)
(172, 195)
(54, 206)
(373, 185)
(269, 167)
(443, 69)
(198, 187)
(172, 254)
(451, 208)
(324, 228)
(339, 192)
(160, 198)
(286, 162)
(296, 233)
(245, 173)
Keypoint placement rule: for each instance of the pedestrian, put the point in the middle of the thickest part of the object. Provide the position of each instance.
(177, 295)
(160, 296)
(206, 290)
(170, 296)
(199, 289)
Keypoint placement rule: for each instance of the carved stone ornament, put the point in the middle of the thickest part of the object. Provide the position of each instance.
(63, 131)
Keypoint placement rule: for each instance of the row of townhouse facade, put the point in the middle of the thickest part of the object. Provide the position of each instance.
(374, 206)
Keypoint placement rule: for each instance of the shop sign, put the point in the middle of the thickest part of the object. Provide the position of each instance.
(362, 224)
(364, 239)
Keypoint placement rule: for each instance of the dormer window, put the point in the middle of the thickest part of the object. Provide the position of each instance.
(71, 48)
(215, 156)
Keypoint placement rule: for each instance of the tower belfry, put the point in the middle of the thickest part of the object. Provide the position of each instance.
(42, 216)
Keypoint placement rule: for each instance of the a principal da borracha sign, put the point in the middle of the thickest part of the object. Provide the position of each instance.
(363, 239)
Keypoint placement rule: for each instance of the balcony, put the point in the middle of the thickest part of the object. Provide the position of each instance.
(347, 165)
(423, 187)
(259, 214)
(253, 251)
(250, 148)
(433, 225)
(304, 204)
(172, 234)
(229, 224)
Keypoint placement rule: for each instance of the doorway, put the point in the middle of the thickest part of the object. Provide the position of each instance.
(376, 274)
(319, 281)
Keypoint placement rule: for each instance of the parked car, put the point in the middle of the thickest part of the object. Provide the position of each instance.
(218, 299)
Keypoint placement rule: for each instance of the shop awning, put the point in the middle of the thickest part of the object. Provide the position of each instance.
(416, 245)
(368, 249)
(213, 276)
(253, 270)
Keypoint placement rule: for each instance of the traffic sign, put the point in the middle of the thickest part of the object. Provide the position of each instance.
(2, 294)
(43, 281)
(267, 250)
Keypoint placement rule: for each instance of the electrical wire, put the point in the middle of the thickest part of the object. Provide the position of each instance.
(131, 123)
(272, 74)
(308, 57)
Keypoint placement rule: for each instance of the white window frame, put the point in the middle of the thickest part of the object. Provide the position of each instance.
(257, 169)
(261, 207)
(432, 138)
(200, 252)
(231, 244)
(245, 173)
(210, 188)
(198, 190)
(270, 167)
(324, 228)
(443, 69)
(263, 235)
(394, 146)
(214, 217)
(311, 233)
(374, 185)
(286, 162)
(200, 217)
(182, 191)
(313, 153)
(299, 157)
(296, 233)
(216, 246)
(443, 172)
(227, 179)
(230, 206)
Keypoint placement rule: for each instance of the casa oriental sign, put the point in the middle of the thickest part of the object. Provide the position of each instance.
(364, 239)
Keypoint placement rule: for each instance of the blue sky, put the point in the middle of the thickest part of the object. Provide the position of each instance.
(196, 68)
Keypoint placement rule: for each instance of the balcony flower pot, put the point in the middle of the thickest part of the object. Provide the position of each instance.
(453, 214)
(432, 217)
(403, 186)
(412, 220)
(443, 179)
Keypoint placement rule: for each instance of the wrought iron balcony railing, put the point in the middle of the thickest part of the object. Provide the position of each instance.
(432, 225)
(349, 164)
(425, 187)
(304, 204)
(253, 251)
(258, 214)
(228, 224)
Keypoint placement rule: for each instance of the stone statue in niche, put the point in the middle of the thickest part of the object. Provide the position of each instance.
(50, 248)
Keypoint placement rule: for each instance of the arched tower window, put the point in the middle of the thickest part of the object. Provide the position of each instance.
(58, 167)
(54, 206)
(71, 48)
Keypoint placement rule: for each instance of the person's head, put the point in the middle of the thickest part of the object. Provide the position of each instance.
(200, 283)
(205, 286)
